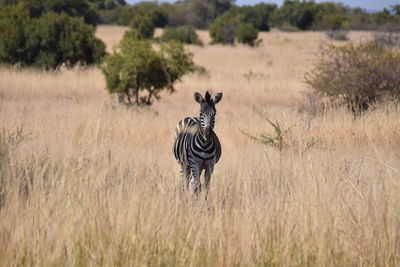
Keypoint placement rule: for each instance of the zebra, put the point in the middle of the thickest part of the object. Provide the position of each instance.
(196, 145)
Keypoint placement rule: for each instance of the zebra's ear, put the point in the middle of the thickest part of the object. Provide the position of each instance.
(199, 99)
(217, 98)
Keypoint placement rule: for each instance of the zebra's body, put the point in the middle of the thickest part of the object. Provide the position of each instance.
(196, 146)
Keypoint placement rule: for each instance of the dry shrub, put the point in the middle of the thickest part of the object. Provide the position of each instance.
(388, 39)
(338, 35)
(358, 74)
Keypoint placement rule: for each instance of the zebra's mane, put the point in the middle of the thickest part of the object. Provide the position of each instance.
(208, 97)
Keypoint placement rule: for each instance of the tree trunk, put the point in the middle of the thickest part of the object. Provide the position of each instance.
(128, 96)
(120, 98)
(151, 91)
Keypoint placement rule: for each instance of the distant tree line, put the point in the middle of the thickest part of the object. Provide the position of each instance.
(292, 15)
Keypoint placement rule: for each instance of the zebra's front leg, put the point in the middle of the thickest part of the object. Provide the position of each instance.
(195, 184)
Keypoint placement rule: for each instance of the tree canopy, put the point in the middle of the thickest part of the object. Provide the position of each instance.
(48, 41)
(138, 73)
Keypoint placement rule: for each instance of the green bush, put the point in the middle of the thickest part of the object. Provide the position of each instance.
(337, 22)
(123, 15)
(73, 8)
(228, 27)
(287, 27)
(144, 26)
(138, 73)
(300, 14)
(223, 29)
(14, 21)
(359, 74)
(184, 34)
(48, 41)
(247, 34)
(258, 15)
(108, 4)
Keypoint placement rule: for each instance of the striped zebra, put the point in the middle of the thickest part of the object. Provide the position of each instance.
(196, 145)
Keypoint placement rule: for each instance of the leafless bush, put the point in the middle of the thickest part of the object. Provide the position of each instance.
(338, 35)
(359, 74)
(388, 39)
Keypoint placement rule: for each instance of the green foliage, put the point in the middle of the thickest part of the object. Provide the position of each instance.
(73, 8)
(381, 17)
(133, 33)
(138, 73)
(184, 34)
(286, 27)
(124, 14)
(203, 13)
(198, 13)
(337, 22)
(144, 26)
(359, 74)
(107, 4)
(13, 23)
(396, 9)
(331, 16)
(229, 26)
(48, 41)
(258, 15)
(223, 29)
(296, 13)
(246, 34)
(300, 14)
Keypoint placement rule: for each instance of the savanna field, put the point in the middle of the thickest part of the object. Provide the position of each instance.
(87, 182)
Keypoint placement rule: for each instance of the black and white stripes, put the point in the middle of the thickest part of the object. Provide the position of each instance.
(196, 146)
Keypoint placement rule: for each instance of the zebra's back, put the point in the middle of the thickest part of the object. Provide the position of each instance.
(184, 133)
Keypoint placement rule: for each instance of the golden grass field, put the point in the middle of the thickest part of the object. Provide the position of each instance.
(94, 183)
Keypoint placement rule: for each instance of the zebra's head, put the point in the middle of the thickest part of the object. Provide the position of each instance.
(207, 112)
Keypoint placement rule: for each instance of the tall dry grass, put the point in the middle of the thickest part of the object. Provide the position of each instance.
(88, 182)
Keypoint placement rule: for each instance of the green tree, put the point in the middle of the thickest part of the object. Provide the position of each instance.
(396, 9)
(13, 23)
(223, 29)
(73, 8)
(337, 22)
(144, 26)
(107, 4)
(184, 34)
(203, 13)
(221, 6)
(48, 41)
(246, 34)
(296, 13)
(258, 15)
(228, 27)
(151, 10)
(382, 17)
(138, 73)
